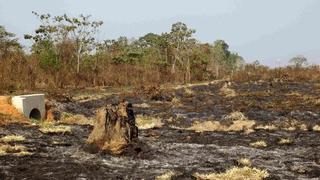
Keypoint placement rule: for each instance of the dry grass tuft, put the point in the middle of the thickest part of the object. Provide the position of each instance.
(12, 138)
(266, 127)
(292, 125)
(68, 118)
(236, 173)
(259, 144)
(238, 122)
(240, 125)
(227, 92)
(148, 122)
(294, 93)
(143, 105)
(188, 92)
(244, 162)
(176, 102)
(235, 116)
(207, 126)
(285, 141)
(50, 128)
(316, 128)
(303, 127)
(166, 176)
(16, 150)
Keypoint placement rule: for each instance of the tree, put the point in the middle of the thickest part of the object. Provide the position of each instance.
(220, 55)
(299, 61)
(80, 31)
(180, 39)
(235, 62)
(8, 43)
(149, 40)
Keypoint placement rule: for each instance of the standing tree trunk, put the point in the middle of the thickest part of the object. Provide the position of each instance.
(114, 128)
(79, 57)
(188, 69)
(217, 71)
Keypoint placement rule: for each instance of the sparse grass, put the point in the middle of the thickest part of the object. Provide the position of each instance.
(50, 128)
(241, 125)
(148, 122)
(166, 176)
(207, 126)
(68, 118)
(292, 128)
(236, 173)
(285, 141)
(292, 125)
(12, 138)
(266, 127)
(259, 144)
(16, 150)
(238, 123)
(244, 162)
(294, 93)
(303, 127)
(143, 105)
(227, 92)
(256, 94)
(175, 102)
(188, 92)
(316, 102)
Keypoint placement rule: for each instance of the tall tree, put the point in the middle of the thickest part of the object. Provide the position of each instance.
(58, 29)
(299, 61)
(180, 37)
(235, 62)
(8, 43)
(220, 55)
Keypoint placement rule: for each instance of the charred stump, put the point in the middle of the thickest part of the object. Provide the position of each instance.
(114, 128)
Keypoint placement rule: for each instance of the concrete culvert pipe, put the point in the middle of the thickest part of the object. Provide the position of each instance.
(32, 105)
(35, 114)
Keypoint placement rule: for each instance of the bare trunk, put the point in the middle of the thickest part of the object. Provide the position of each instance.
(78, 64)
(188, 73)
(79, 58)
(173, 70)
(217, 71)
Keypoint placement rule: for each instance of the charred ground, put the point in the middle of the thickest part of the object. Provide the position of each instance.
(292, 107)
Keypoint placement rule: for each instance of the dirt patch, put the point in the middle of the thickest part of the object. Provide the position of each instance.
(9, 114)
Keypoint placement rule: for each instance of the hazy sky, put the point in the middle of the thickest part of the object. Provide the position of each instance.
(271, 31)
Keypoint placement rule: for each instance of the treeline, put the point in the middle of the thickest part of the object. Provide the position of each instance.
(65, 53)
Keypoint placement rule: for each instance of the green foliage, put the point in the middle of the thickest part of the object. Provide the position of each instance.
(235, 62)
(8, 43)
(221, 52)
(59, 29)
(176, 50)
(299, 61)
(48, 58)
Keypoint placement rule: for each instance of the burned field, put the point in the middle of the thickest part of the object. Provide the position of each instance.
(184, 132)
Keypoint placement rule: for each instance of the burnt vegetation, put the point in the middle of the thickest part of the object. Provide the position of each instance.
(65, 53)
(227, 119)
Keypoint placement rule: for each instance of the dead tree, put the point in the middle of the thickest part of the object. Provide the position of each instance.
(114, 128)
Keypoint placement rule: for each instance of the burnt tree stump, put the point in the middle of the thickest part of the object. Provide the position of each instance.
(114, 128)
